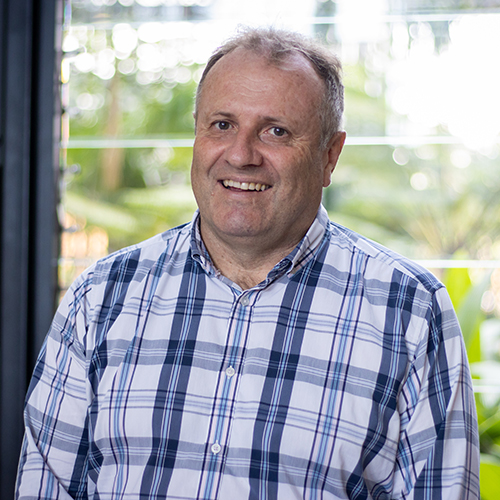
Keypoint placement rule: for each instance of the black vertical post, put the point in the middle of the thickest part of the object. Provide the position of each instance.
(46, 124)
(16, 126)
(28, 226)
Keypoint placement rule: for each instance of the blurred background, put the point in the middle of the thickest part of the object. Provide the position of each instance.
(419, 173)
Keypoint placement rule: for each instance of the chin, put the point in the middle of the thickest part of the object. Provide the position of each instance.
(239, 232)
(240, 227)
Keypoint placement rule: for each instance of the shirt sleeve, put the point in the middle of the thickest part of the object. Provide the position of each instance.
(438, 455)
(53, 456)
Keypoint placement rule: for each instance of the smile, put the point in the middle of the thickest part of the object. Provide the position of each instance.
(245, 186)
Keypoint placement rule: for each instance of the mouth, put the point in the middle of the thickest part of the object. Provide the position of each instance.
(245, 186)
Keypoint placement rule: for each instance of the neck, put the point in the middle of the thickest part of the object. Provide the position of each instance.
(247, 263)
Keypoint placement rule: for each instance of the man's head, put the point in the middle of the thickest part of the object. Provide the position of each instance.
(276, 46)
(262, 153)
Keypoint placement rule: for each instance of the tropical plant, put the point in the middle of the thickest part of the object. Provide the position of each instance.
(481, 333)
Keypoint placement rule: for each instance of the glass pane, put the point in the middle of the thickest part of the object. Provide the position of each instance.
(419, 131)
(419, 172)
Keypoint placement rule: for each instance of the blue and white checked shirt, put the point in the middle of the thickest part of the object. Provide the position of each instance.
(342, 375)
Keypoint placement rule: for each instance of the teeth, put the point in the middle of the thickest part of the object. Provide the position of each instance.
(245, 186)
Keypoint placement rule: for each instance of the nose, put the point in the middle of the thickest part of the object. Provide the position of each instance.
(243, 150)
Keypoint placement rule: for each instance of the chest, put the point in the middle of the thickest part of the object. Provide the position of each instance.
(208, 393)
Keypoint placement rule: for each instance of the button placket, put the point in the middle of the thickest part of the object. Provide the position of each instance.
(218, 438)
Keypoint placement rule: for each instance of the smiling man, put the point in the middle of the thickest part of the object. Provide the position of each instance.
(260, 351)
(259, 166)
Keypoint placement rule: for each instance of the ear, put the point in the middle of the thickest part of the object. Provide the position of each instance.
(331, 156)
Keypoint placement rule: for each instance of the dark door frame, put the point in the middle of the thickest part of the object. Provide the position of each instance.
(29, 165)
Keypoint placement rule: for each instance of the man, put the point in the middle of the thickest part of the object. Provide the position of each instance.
(260, 351)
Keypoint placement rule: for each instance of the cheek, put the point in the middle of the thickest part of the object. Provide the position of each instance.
(308, 186)
(198, 184)
(205, 158)
(304, 174)
(194, 174)
(200, 166)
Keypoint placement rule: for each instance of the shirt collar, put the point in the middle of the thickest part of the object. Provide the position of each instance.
(198, 249)
(293, 262)
(307, 247)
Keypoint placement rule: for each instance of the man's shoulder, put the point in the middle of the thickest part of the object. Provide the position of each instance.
(380, 261)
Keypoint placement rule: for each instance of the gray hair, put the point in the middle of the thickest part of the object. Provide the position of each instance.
(276, 46)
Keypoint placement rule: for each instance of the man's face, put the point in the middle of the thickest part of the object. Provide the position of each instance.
(258, 170)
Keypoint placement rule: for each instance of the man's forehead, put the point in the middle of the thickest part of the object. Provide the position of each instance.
(240, 59)
(289, 61)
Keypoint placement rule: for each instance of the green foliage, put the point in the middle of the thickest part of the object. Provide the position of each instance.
(135, 214)
(454, 210)
(490, 478)
(458, 283)
(466, 299)
(482, 338)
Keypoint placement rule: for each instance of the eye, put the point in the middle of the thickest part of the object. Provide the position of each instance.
(222, 125)
(278, 131)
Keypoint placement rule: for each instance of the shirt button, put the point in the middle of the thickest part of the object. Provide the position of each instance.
(216, 448)
(245, 301)
(230, 371)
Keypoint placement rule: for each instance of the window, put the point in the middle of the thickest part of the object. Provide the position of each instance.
(419, 172)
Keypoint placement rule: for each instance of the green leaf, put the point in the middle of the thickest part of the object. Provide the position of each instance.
(491, 426)
(458, 283)
(470, 315)
(490, 478)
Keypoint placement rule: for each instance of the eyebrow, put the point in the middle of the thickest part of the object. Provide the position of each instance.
(222, 113)
(265, 118)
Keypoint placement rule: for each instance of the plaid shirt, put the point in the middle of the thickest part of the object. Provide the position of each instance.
(342, 375)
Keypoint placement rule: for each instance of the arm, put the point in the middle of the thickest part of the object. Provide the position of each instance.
(438, 456)
(53, 456)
